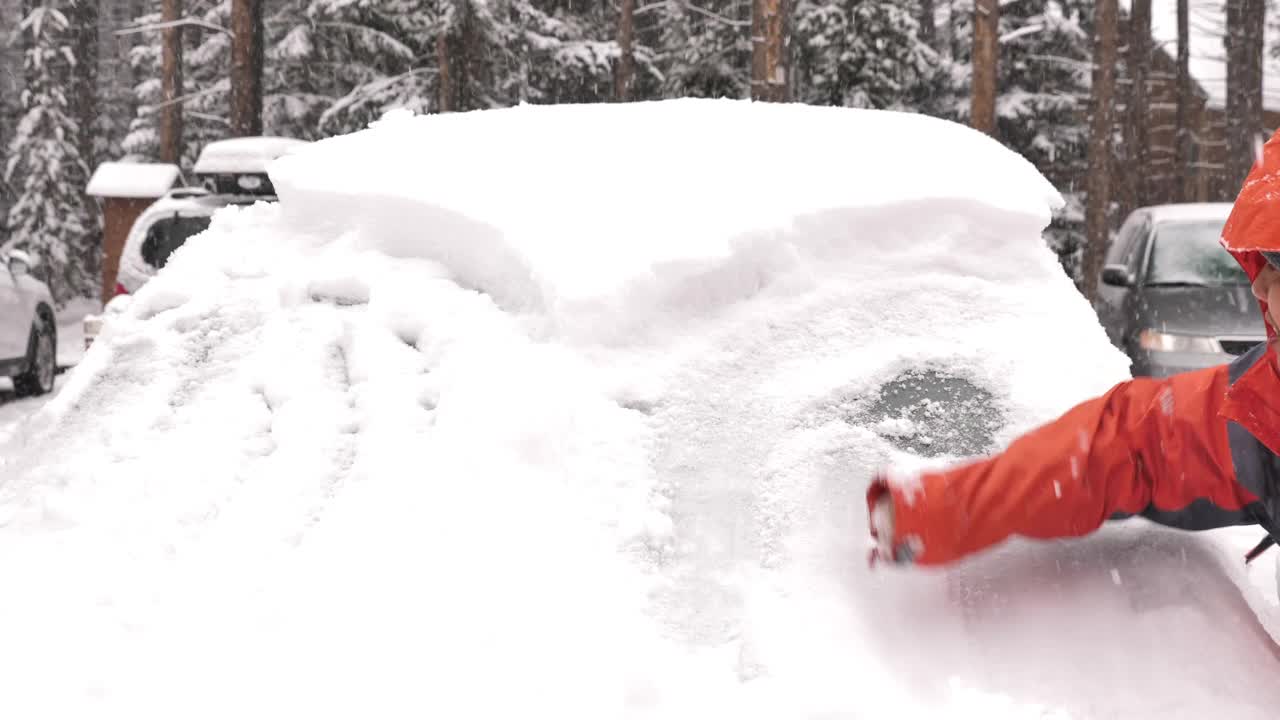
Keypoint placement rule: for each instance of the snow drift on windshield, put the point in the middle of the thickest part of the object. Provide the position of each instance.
(569, 411)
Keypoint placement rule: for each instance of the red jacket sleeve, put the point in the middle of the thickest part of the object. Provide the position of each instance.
(1145, 442)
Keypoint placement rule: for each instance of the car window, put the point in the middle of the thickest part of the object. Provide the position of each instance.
(168, 234)
(1190, 253)
(1124, 244)
(1137, 248)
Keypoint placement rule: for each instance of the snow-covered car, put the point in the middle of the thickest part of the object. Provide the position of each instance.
(228, 172)
(574, 442)
(28, 328)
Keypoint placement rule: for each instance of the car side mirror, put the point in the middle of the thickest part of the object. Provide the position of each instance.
(1117, 275)
(19, 262)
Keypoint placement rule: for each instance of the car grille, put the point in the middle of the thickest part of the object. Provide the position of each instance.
(1238, 346)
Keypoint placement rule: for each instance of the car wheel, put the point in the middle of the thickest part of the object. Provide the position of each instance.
(42, 362)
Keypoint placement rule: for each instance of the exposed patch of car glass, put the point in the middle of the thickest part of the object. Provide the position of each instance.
(168, 234)
(931, 413)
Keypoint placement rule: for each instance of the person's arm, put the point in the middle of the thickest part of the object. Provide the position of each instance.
(1145, 442)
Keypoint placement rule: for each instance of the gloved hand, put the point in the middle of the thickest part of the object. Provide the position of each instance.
(880, 520)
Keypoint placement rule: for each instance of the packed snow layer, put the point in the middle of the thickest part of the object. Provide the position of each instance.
(498, 415)
(132, 180)
(695, 204)
(243, 154)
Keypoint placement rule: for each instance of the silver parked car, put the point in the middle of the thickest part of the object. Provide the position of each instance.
(1171, 296)
(28, 329)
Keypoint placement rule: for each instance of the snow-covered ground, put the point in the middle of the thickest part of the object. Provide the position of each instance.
(484, 421)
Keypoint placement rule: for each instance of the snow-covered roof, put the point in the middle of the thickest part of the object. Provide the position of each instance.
(132, 179)
(1189, 211)
(1208, 61)
(243, 155)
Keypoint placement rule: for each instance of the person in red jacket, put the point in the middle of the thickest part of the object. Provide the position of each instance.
(1197, 450)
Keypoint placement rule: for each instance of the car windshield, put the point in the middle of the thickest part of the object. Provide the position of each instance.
(1189, 253)
(168, 234)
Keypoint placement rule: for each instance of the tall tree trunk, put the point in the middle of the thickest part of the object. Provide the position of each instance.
(1137, 139)
(1255, 12)
(769, 50)
(1097, 184)
(627, 59)
(83, 19)
(85, 252)
(986, 29)
(1243, 44)
(444, 84)
(1182, 139)
(171, 84)
(928, 27)
(953, 30)
(246, 67)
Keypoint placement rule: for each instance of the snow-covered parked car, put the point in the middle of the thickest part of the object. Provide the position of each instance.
(470, 424)
(227, 172)
(28, 328)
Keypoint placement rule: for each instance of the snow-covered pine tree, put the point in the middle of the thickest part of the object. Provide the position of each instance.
(1045, 64)
(51, 216)
(704, 48)
(572, 48)
(142, 139)
(1045, 75)
(338, 65)
(866, 54)
(303, 71)
(206, 78)
(205, 89)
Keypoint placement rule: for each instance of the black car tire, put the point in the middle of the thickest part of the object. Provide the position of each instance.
(42, 361)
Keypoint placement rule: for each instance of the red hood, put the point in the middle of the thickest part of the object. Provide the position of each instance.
(1254, 223)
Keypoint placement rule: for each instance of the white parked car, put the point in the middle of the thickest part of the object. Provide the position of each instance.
(228, 172)
(28, 328)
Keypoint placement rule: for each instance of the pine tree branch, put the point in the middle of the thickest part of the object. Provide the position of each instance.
(1020, 32)
(174, 23)
(717, 16)
(189, 96)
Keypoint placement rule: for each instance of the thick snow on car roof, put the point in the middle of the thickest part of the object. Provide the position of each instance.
(132, 179)
(569, 411)
(243, 155)
(1181, 212)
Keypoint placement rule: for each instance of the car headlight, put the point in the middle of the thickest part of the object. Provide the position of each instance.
(1157, 341)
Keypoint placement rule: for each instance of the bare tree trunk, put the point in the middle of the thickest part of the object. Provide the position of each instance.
(83, 18)
(986, 29)
(953, 39)
(445, 86)
(1097, 184)
(1255, 20)
(1243, 44)
(246, 67)
(627, 60)
(1182, 131)
(171, 84)
(769, 51)
(928, 27)
(86, 252)
(1137, 140)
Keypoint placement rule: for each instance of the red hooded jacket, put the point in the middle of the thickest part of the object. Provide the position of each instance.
(1195, 451)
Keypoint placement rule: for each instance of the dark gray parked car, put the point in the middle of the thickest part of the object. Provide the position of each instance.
(1171, 297)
